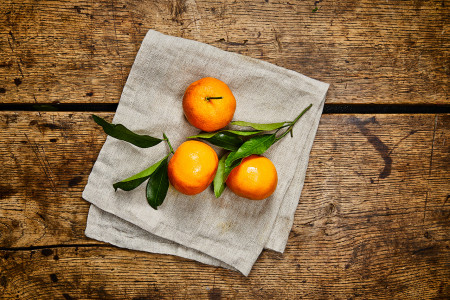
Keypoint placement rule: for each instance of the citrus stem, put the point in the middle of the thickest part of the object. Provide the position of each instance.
(210, 98)
(276, 131)
(291, 125)
(168, 143)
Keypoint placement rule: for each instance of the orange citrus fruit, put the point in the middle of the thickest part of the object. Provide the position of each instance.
(255, 178)
(192, 167)
(209, 104)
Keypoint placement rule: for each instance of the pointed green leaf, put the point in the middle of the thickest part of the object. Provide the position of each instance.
(134, 181)
(244, 133)
(219, 179)
(203, 135)
(224, 139)
(259, 126)
(222, 174)
(120, 132)
(256, 145)
(208, 135)
(157, 185)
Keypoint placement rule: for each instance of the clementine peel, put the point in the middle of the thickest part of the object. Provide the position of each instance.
(255, 178)
(192, 168)
(209, 104)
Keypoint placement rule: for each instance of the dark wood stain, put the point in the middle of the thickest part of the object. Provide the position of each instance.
(53, 277)
(67, 296)
(215, 294)
(425, 251)
(74, 181)
(356, 253)
(99, 293)
(177, 8)
(2, 90)
(3, 281)
(17, 81)
(6, 65)
(222, 40)
(6, 191)
(52, 126)
(376, 142)
(46, 252)
(15, 224)
(11, 119)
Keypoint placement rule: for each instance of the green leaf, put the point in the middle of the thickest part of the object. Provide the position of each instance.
(258, 126)
(120, 132)
(255, 145)
(222, 174)
(208, 135)
(224, 139)
(134, 181)
(244, 133)
(219, 179)
(157, 185)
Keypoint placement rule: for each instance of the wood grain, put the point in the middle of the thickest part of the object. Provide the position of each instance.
(108, 273)
(81, 51)
(373, 220)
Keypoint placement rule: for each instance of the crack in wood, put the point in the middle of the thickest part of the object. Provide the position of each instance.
(31, 248)
(429, 170)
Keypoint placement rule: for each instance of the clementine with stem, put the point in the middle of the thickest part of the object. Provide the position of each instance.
(209, 104)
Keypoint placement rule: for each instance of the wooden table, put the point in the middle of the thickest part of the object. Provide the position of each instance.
(373, 219)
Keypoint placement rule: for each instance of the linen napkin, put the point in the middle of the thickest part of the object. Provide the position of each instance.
(229, 231)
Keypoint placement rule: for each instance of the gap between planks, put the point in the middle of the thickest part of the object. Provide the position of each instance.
(30, 248)
(328, 108)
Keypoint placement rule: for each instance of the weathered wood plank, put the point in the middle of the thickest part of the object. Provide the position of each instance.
(109, 273)
(81, 51)
(46, 159)
(47, 156)
(373, 221)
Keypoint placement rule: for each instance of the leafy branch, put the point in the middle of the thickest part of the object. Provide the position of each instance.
(257, 144)
(240, 143)
(157, 175)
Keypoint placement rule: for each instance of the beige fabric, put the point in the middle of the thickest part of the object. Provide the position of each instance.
(229, 231)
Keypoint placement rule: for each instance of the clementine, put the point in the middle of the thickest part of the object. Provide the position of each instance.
(209, 104)
(255, 178)
(193, 167)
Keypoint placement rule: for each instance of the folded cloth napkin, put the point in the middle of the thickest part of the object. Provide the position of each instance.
(229, 231)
